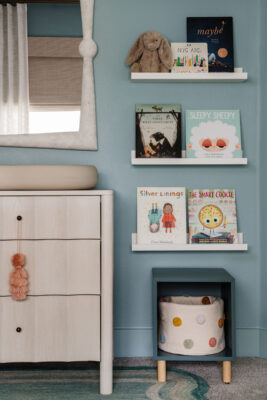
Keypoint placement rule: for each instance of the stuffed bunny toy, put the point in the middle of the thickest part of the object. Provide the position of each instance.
(150, 53)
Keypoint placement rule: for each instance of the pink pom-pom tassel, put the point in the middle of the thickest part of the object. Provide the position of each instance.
(18, 280)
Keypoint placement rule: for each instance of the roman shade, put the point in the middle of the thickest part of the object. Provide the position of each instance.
(55, 71)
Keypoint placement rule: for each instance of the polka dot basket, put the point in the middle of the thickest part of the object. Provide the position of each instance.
(191, 325)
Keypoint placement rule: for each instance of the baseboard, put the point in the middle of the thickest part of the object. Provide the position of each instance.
(263, 343)
(137, 342)
(133, 342)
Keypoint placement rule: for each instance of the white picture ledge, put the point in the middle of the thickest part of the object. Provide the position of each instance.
(186, 161)
(189, 247)
(237, 76)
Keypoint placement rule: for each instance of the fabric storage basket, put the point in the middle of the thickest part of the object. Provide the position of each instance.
(191, 325)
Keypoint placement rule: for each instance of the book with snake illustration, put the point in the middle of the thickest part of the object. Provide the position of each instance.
(212, 216)
(161, 215)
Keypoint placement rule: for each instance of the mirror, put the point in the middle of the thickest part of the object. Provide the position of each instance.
(60, 88)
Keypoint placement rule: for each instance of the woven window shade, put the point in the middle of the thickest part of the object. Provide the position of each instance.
(55, 71)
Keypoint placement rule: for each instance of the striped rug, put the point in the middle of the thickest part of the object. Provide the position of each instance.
(131, 383)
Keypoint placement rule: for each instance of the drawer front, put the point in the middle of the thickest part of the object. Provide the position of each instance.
(54, 266)
(50, 328)
(51, 217)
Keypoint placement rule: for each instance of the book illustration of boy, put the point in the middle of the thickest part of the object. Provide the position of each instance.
(168, 220)
(211, 217)
(214, 139)
(154, 216)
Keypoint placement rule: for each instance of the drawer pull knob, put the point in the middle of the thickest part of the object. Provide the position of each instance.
(19, 217)
(18, 329)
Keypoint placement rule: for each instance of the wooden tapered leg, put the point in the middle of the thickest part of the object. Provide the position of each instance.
(161, 371)
(226, 371)
(106, 348)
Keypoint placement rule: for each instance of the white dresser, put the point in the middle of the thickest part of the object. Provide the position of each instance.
(67, 239)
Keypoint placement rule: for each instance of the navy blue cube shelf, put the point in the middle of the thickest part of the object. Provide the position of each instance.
(195, 282)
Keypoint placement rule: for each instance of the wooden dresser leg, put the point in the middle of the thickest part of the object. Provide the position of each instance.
(106, 375)
(106, 348)
(226, 371)
(161, 371)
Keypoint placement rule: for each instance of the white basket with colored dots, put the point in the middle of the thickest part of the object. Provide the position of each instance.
(191, 325)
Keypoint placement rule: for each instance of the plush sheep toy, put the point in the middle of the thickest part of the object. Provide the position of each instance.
(150, 53)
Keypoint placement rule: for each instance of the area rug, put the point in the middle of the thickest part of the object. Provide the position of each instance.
(130, 383)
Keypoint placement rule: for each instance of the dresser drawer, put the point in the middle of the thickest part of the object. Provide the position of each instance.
(54, 266)
(50, 217)
(50, 328)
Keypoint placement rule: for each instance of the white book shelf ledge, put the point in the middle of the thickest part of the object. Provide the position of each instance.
(237, 76)
(187, 161)
(189, 247)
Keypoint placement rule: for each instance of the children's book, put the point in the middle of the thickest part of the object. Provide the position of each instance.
(189, 57)
(217, 32)
(213, 134)
(161, 215)
(158, 130)
(212, 216)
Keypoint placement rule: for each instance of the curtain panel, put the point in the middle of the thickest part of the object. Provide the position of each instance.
(14, 82)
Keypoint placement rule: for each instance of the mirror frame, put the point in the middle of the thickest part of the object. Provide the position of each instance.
(85, 138)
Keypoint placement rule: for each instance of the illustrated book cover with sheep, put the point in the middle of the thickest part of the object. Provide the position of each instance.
(212, 216)
(213, 134)
(158, 130)
(161, 215)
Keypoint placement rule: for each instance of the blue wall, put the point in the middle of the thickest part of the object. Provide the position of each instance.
(117, 24)
(263, 169)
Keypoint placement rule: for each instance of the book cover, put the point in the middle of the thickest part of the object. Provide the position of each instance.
(212, 216)
(213, 134)
(189, 57)
(217, 32)
(158, 130)
(161, 215)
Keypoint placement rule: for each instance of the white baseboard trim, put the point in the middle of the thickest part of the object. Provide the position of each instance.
(137, 342)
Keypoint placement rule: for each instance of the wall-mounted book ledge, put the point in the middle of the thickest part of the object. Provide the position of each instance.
(187, 161)
(189, 247)
(237, 76)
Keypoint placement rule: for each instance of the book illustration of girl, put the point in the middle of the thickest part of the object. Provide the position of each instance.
(154, 216)
(168, 220)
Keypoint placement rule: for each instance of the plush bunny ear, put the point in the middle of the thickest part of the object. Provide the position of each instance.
(165, 53)
(136, 51)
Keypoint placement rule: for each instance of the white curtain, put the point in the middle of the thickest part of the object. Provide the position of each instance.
(14, 81)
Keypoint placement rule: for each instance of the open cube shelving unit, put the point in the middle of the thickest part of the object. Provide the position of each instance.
(195, 282)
